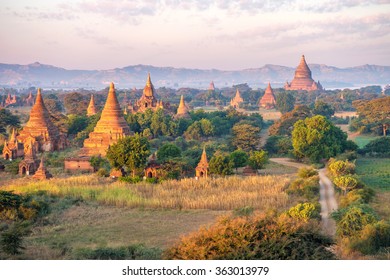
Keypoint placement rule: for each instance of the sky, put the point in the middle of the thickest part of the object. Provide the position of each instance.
(225, 35)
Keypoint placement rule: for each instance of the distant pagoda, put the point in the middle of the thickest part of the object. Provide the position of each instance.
(148, 99)
(302, 79)
(182, 110)
(91, 110)
(41, 128)
(211, 86)
(29, 101)
(268, 100)
(237, 100)
(42, 173)
(202, 168)
(110, 128)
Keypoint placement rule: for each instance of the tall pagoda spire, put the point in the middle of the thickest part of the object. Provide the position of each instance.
(268, 100)
(202, 169)
(91, 110)
(302, 78)
(12, 139)
(109, 129)
(148, 89)
(182, 110)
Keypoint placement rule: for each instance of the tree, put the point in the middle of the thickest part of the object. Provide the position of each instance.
(375, 112)
(130, 152)
(285, 124)
(11, 240)
(168, 151)
(239, 158)
(285, 101)
(76, 124)
(8, 119)
(245, 136)
(341, 167)
(317, 138)
(346, 183)
(323, 109)
(220, 164)
(75, 103)
(258, 159)
(379, 147)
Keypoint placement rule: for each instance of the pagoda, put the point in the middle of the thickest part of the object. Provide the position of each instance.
(91, 110)
(237, 100)
(148, 99)
(211, 86)
(268, 100)
(12, 148)
(10, 100)
(110, 128)
(203, 166)
(302, 79)
(29, 164)
(41, 128)
(42, 173)
(29, 101)
(182, 110)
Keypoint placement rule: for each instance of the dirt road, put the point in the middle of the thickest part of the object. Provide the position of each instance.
(327, 199)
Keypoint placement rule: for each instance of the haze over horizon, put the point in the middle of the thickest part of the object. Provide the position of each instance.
(225, 35)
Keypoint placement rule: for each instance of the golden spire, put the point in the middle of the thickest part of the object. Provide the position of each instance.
(12, 139)
(148, 89)
(149, 81)
(182, 110)
(203, 159)
(91, 110)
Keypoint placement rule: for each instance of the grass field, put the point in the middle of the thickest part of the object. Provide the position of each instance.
(375, 172)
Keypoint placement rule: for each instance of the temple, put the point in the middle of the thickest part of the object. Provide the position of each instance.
(152, 169)
(40, 127)
(29, 164)
(148, 99)
(91, 110)
(12, 148)
(237, 100)
(42, 173)
(10, 100)
(268, 100)
(203, 166)
(110, 128)
(302, 79)
(29, 101)
(182, 110)
(211, 86)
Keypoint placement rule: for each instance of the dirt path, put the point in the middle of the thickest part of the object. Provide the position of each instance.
(327, 199)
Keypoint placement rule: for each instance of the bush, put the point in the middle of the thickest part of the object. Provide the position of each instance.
(102, 172)
(309, 188)
(272, 238)
(305, 211)
(13, 166)
(341, 167)
(307, 172)
(131, 180)
(379, 147)
(357, 196)
(372, 238)
(11, 240)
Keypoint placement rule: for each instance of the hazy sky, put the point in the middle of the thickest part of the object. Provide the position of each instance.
(227, 35)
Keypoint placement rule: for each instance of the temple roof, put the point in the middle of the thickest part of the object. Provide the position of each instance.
(238, 98)
(303, 70)
(148, 89)
(182, 110)
(268, 97)
(203, 160)
(91, 110)
(302, 78)
(112, 117)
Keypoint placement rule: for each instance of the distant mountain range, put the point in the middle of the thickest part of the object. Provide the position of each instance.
(47, 76)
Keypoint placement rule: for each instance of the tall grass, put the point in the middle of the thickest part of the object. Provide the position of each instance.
(260, 192)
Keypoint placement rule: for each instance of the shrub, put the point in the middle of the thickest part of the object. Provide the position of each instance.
(131, 180)
(11, 240)
(102, 172)
(357, 196)
(341, 168)
(345, 183)
(305, 211)
(308, 187)
(258, 159)
(379, 147)
(273, 238)
(372, 238)
(307, 172)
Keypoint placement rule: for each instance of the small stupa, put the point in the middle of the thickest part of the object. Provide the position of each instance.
(91, 110)
(109, 129)
(42, 173)
(268, 100)
(202, 168)
(237, 100)
(302, 79)
(182, 110)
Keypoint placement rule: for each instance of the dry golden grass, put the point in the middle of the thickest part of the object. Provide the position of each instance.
(229, 193)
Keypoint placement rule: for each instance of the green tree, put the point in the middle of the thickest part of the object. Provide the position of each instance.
(324, 109)
(285, 101)
(168, 151)
(245, 136)
(285, 124)
(258, 159)
(8, 119)
(346, 183)
(239, 158)
(220, 164)
(341, 167)
(317, 138)
(305, 211)
(76, 124)
(130, 152)
(75, 103)
(11, 240)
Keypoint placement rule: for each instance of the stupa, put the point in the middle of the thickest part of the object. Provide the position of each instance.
(41, 128)
(29, 101)
(148, 99)
(110, 128)
(203, 166)
(182, 110)
(237, 100)
(91, 110)
(268, 100)
(10, 100)
(42, 173)
(211, 86)
(12, 148)
(302, 79)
